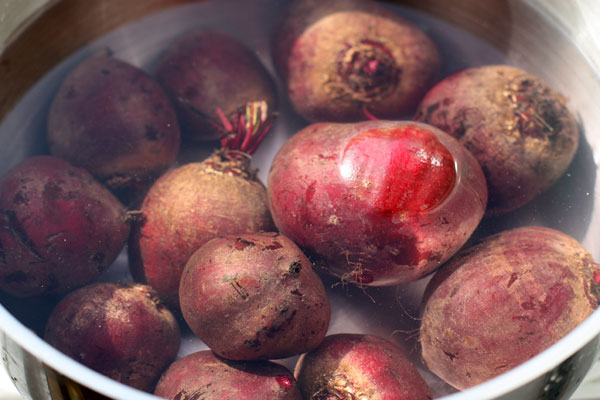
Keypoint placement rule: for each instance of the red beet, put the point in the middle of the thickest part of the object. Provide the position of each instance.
(203, 375)
(343, 59)
(353, 366)
(376, 202)
(59, 228)
(206, 70)
(504, 300)
(121, 331)
(254, 296)
(518, 128)
(113, 119)
(196, 202)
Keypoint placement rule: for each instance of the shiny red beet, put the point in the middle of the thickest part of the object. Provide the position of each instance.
(376, 202)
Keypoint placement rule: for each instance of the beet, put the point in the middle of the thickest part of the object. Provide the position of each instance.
(341, 60)
(59, 228)
(121, 331)
(519, 129)
(206, 70)
(196, 202)
(355, 366)
(113, 119)
(254, 296)
(504, 300)
(203, 375)
(376, 202)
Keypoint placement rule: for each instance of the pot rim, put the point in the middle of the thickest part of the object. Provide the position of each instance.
(493, 388)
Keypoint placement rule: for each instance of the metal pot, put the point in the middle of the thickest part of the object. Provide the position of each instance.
(556, 40)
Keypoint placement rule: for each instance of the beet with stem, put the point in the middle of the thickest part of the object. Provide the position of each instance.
(504, 300)
(341, 60)
(59, 228)
(196, 202)
(207, 69)
(377, 202)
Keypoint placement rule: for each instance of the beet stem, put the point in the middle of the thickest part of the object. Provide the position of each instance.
(247, 128)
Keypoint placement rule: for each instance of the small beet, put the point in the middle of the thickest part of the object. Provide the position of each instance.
(196, 202)
(59, 228)
(377, 202)
(203, 375)
(342, 60)
(504, 300)
(206, 70)
(519, 129)
(114, 120)
(254, 296)
(121, 331)
(355, 366)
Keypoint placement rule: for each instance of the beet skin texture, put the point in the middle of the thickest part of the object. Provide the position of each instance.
(121, 331)
(517, 127)
(116, 121)
(59, 228)
(345, 60)
(204, 375)
(378, 202)
(205, 70)
(504, 300)
(356, 366)
(188, 206)
(254, 296)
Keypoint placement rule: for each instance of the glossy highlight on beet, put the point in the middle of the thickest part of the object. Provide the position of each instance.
(377, 202)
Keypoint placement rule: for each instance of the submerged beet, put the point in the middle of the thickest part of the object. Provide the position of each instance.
(504, 300)
(254, 296)
(205, 376)
(121, 331)
(114, 120)
(196, 202)
(341, 60)
(519, 129)
(354, 366)
(206, 70)
(376, 202)
(59, 228)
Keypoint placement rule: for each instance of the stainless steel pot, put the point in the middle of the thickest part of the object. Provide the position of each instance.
(557, 40)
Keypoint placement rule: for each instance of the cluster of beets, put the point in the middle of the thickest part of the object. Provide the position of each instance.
(356, 194)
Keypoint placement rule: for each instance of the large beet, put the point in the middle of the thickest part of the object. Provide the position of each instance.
(116, 121)
(59, 228)
(343, 59)
(504, 300)
(205, 70)
(376, 202)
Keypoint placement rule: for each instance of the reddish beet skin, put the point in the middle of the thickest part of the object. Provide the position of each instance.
(354, 366)
(504, 300)
(254, 296)
(342, 59)
(203, 375)
(121, 331)
(206, 70)
(59, 227)
(377, 202)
